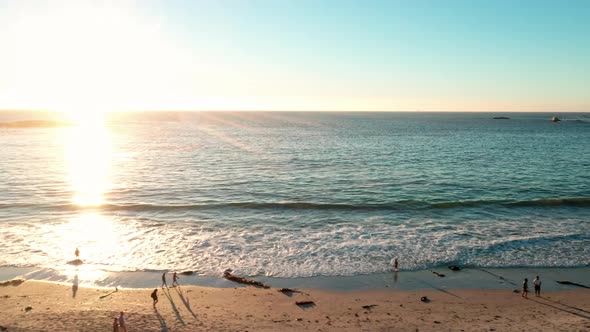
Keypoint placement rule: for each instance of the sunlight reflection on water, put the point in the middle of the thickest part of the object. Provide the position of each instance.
(88, 155)
(88, 160)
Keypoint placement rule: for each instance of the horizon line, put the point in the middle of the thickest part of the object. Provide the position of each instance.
(303, 111)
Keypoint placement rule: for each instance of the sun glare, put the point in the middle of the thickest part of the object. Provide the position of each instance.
(85, 58)
(88, 160)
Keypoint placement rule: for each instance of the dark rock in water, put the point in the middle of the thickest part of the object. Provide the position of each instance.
(76, 262)
(13, 282)
(454, 268)
(229, 276)
(501, 118)
(555, 119)
(565, 282)
(438, 274)
(187, 273)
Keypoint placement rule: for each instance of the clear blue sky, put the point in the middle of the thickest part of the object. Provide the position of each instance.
(361, 55)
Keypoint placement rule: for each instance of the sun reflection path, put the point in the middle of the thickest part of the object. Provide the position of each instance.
(88, 156)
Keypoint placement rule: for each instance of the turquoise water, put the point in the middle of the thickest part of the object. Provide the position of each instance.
(293, 195)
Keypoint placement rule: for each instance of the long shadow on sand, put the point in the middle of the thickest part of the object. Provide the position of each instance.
(437, 288)
(495, 275)
(75, 286)
(560, 309)
(167, 293)
(185, 301)
(163, 325)
(565, 305)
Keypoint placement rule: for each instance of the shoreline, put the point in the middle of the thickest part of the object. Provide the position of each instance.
(41, 306)
(466, 278)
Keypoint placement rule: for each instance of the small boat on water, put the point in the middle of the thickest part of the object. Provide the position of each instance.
(555, 119)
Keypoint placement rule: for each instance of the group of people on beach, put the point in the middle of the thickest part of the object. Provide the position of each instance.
(525, 287)
(154, 294)
(119, 323)
(174, 280)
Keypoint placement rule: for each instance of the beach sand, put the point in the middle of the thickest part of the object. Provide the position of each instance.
(53, 307)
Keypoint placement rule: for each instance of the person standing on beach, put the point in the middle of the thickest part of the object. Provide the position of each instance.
(116, 325)
(537, 285)
(122, 325)
(155, 296)
(174, 279)
(525, 288)
(77, 253)
(164, 280)
(395, 265)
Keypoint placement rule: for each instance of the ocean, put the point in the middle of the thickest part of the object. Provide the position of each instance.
(296, 194)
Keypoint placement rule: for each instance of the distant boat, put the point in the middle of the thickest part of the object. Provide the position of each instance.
(555, 119)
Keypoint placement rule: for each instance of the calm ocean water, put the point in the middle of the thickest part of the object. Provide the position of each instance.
(297, 194)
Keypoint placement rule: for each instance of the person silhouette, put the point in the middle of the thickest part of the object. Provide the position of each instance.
(174, 279)
(116, 325)
(525, 288)
(155, 296)
(537, 285)
(122, 324)
(77, 253)
(164, 280)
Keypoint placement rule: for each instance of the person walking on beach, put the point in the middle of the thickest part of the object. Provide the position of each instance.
(174, 279)
(122, 325)
(525, 288)
(537, 285)
(77, 253)
(155, 296)
(116, 325)
(395, 265)
(164, 280)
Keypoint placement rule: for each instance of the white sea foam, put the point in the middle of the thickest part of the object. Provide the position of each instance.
(288, 250)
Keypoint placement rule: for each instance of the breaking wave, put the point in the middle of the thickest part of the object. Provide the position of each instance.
(393, 206)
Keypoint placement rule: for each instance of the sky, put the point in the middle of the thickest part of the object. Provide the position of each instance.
(472, 55)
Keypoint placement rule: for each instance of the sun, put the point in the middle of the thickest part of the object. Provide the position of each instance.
(86, 58)
(86, 117)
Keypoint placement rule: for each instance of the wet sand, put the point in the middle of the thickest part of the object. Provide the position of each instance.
(46, 306)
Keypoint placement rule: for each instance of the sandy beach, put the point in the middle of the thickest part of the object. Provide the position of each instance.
(45, 306)
(298, 166)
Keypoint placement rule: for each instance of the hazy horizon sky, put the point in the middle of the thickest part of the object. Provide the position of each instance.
(85, 56)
